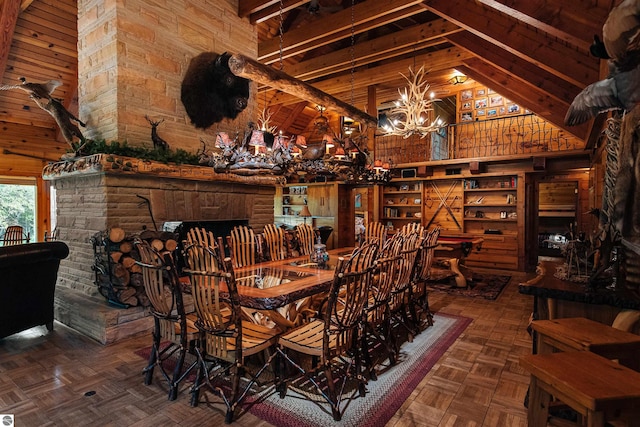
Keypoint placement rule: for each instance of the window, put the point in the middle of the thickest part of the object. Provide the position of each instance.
(18, 205)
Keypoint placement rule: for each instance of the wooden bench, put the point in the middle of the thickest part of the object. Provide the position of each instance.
(597, 388)
(579, 333)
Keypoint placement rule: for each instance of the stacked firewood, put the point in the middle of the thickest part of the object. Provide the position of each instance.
(117, 275)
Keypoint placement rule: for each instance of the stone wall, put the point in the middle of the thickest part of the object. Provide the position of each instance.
(132, 56)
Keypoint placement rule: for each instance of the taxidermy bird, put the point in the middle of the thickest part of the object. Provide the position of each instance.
(620, 44)
(35, 90)
(40, 93)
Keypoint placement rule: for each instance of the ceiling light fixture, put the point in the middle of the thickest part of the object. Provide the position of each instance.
(410, 116)
(458, 79)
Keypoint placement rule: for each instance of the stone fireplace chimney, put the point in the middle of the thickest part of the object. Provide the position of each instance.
(132, 56)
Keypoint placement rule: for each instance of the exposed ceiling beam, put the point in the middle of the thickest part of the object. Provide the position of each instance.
(253, 70)
(378, 49)
(273, 10)
(367, 15)
(520, 39)
(527, 73)
(8, 19)
(574, 21)
(247, 7)
(433, 62)
(25, 4)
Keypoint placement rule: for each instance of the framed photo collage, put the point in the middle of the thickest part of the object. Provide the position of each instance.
(481, 103)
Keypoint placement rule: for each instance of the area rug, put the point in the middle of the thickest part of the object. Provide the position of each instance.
(487, 286)
(384, 396)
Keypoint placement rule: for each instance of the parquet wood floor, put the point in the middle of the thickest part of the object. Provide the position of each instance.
(65, 379)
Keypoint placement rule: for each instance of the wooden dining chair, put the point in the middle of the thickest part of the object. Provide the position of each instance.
(376, 232)
(274, 238)
(402, 312)
(306, 237)
(419, 291)
(243, 246)
(377, 314)
(330, 339)
(174, 332)
(15, 235)
(226, 339)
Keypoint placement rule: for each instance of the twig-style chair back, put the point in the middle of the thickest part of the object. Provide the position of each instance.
(243, 246)
(205, 238)
(227, 339)
(171, 323)
(412, 228)
(274, 237)
(306, 237)
(394, 245)
(375, 232)
(53, 236)
(427, 251)
(15, 235)
(363, 257)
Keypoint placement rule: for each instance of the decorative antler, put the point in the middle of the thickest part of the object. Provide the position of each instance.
(263, 121)
(413, 107)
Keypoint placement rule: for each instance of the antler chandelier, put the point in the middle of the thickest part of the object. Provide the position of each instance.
(411, 113)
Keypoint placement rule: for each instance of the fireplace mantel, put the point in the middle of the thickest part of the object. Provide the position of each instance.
(121, 165)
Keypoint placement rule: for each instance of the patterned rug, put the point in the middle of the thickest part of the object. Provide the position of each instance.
(487, 286)
(384, 396)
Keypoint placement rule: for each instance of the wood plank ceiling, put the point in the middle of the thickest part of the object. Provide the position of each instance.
(534, 52)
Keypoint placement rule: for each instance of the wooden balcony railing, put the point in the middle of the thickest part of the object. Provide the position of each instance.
(495, 138)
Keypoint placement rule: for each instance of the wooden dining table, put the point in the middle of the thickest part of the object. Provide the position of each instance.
(273, 284)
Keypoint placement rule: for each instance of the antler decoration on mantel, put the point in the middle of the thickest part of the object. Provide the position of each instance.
(411, 111)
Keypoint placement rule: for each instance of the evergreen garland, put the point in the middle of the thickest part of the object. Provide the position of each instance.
(177, 156)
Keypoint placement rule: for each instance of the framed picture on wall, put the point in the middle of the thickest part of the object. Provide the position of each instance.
(480, 112)
(513, 108)
(467, 117)
(490, 91)
(481, 103)
(466, 94)
(502, 111)
(492, 112)
(481, 92)
(495, 101)
(466, 105)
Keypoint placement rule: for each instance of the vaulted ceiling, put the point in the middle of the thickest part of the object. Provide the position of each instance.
(534, 52)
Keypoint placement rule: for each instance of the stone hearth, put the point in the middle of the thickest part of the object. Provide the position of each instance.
(92, 196)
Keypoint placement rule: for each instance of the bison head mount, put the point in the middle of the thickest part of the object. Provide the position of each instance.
(211, 92)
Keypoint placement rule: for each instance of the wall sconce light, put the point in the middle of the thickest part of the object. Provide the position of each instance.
(457, 80)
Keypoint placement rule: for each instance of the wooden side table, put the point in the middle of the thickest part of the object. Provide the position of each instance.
(597, 388)
(578, 333)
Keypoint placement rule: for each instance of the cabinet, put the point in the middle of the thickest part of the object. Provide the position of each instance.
(402, 203)
(328, 204)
